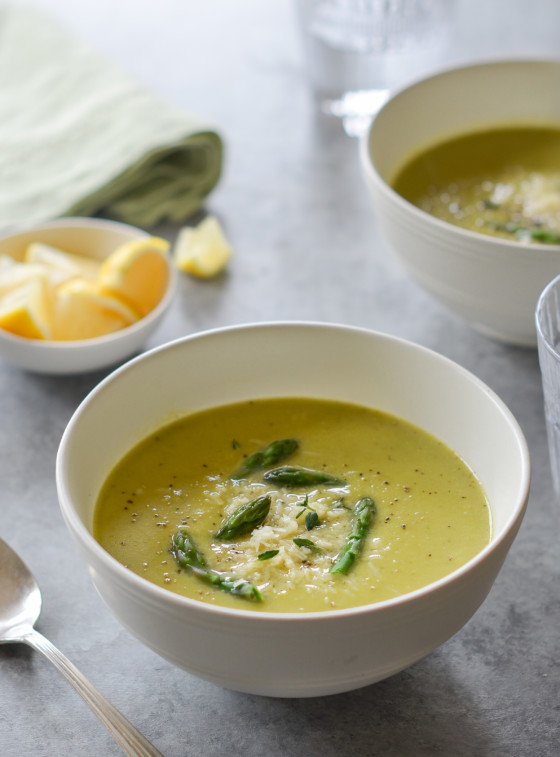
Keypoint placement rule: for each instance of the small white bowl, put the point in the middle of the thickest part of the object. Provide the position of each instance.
(491, 282)
(293, 654)
(95, 238)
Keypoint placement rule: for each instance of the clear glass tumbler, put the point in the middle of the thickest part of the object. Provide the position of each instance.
(356, 51)
(548, 339)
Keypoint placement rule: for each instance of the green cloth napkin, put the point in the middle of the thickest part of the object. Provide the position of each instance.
(80, 137)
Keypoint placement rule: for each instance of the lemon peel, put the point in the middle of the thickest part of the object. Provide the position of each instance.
(83, 311)
(25, 310)
(137, 273)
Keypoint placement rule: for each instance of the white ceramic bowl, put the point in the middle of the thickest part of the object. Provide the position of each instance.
(493, 283)
(94, 238)
(309, 654)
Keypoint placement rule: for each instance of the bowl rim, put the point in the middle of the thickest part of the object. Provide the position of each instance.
(153, 593)
(75, 222)
(72, 222)
(512, 247)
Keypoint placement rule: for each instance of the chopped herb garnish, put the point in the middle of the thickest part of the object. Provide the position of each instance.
(549, 237)
(311, 520)
(304, 506)
(235, 444)
(535, 233)
(299, 542)
(268, 554)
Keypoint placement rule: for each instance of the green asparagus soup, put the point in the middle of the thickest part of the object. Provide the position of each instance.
(504, 182)
(292, 505)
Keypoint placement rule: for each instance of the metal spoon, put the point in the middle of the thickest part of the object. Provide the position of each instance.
(20, 605)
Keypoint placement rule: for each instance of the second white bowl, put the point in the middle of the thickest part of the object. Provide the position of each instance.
(493, 283)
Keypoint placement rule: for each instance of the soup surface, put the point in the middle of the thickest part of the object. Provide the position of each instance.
(429, 514)
(503, 182)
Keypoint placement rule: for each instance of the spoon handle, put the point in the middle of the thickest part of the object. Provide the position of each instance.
(127, 736)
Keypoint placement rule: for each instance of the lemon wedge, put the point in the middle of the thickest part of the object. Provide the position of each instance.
(58, 295)
(137, 273)
(25, 310)
(83, 311)
(203, 250)
(63, 265)
(6, 261)
(15, 274)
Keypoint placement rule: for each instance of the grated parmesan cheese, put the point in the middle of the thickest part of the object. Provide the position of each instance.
(284, 523)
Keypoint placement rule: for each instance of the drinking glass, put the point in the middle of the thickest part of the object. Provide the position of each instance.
(548, 340)
(357, 51)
